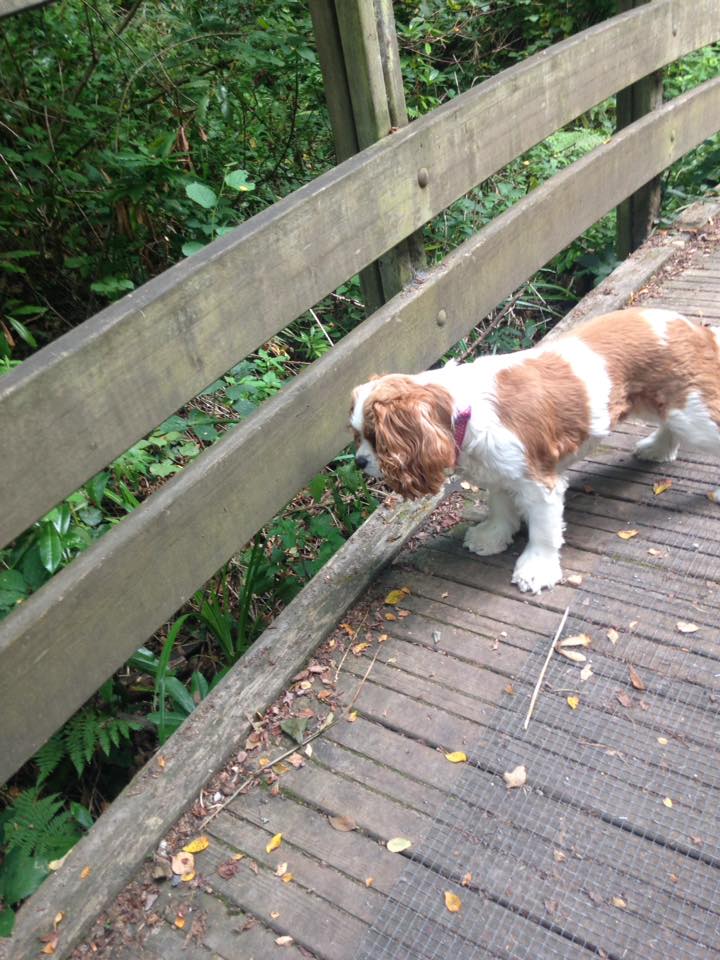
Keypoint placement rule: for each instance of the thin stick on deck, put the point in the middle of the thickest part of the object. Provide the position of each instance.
(536, 691)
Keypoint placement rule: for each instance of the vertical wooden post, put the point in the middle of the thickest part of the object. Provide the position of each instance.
(360, 62)
(636, 214)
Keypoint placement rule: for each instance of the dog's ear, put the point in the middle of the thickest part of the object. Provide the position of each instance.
(414, 439)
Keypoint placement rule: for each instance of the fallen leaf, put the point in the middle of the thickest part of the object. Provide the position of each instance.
(551, 906)
(352, 716)
(403, 613)
(697, 841)
(350, 631)
(516, 777)
(457, 756)
(264, 762)
(633, 624)
(183, 863)
(559, 856)
(294, 727)
(342, 823)
(509, 690)
(396, 596)
(58, 919)
(466, 880)
(585, 673)
(624, 699)
(627, 534)
(323, 695)
(56, 864)
(274, 914)
(179, 922)
(197, 845)
(635, 679)
(452, 901)
(713, 496)
(661, 487)
(662, 741)
(685, 627)
(575, 579)
(85, 873)
(398, 844)
(667, 802)
(228, 870)
(238, 856)
(288, 878)
(280, 869)
(654, 552)
(187, 877)
(390, 616)
(161, 761)
(369, 881)
(382, 638)
(674, 878)
(573, 655)
(51, 942)
(284, 941)
(613, 636)
(573, 702)
(274, 843)
(619, 903)
(296, 760)
(359, 647)
(578, 640)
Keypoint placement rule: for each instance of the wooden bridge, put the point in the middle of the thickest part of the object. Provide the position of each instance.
(611, 848)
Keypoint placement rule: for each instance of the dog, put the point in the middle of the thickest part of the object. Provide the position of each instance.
(513, 423)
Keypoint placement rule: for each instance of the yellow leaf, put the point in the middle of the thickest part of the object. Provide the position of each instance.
(287, 878)
(662, 741)
(573, 702)
(586, 673)
(452, 901)
(187, 877)
(283, 941)
(668, 802)
(661, 487)
(85, 873)
(369, 881)
(612, 635)
(456, 756)
(49, 948)
(274, 843)
(56, 864)
(350, 631)
(58, 920)
(161, 761)
(396, 596)
(359, 647)
(398, 844)
(654, 552)
(575, 579)
(685, 627)
(179, 922)
(390, 616)
(619, 902)
(238, 856)
(197, 845)
(578, 640)
(573, 655)
(352, 716)
(627, 534)
(274, 914)
(280, 869)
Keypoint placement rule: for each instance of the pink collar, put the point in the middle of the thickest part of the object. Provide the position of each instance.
(461, 420)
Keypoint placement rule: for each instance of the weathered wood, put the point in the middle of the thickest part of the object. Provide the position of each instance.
(8, 7)
(138, 818)
(92, 393)
(638, 212)
(80, 624)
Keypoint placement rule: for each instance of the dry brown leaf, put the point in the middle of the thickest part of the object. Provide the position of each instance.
(382, 638)
(559, 856)
(516, 777)
(350, 631)
(685, 627)
(274, 914)
(264, 762)
(696, 841)
(457, 756)
(197, 845)
(585, 673)
(624, 699)
(635, 679)
(573, 702)
(575, 579)
(360, 647)
(390, 616)
(613, 636)
(654, 552)
(51, 942)
(633, 624)
(179, 922)
(619, 903)
(466, 880)
(578, 640)
(325, 694)
(183, 863)
(403, 613)
(369, 881)
(674, 878)
(352, 716)
(509, 689)
(342, 823)
(288, 878)
(161, 761)
(452, 901)
(228, 869)
(573, 655)
(85, 873)
(398, 844)
(296, 760)
(58, 919)
(274, 843)
(627, 534)
(284, 941)
(661, 487)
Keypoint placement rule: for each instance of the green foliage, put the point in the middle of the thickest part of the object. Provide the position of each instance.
(86, 732)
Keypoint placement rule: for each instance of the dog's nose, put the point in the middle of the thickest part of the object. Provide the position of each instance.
(361, 461)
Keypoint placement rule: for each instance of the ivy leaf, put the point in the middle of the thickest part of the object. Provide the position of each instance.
(238, 180)
(201, 194)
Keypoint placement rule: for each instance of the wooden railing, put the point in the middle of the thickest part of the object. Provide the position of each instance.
(88, 396)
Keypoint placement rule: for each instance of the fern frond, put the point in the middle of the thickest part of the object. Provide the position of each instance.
(49, 756)
(31, 820)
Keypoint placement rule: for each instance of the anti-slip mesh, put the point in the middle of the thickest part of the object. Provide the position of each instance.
(613, 847)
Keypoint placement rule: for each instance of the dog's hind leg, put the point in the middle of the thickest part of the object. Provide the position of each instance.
(495, 533)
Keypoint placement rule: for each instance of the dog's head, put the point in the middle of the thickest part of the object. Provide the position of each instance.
(404, 433)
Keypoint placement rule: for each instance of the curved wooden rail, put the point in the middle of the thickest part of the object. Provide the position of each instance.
(89, 395)
(91, 616)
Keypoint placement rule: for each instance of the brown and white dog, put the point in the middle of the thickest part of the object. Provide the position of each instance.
(514, 423)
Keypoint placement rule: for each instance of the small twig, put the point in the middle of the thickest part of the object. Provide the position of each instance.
(318, 321)
(536, 691)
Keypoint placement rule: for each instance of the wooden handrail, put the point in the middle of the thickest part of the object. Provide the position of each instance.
(92, 393)
(85, 622)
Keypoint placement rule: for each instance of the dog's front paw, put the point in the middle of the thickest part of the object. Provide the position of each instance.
(537, 569)
(658, 447)
(488, 538)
